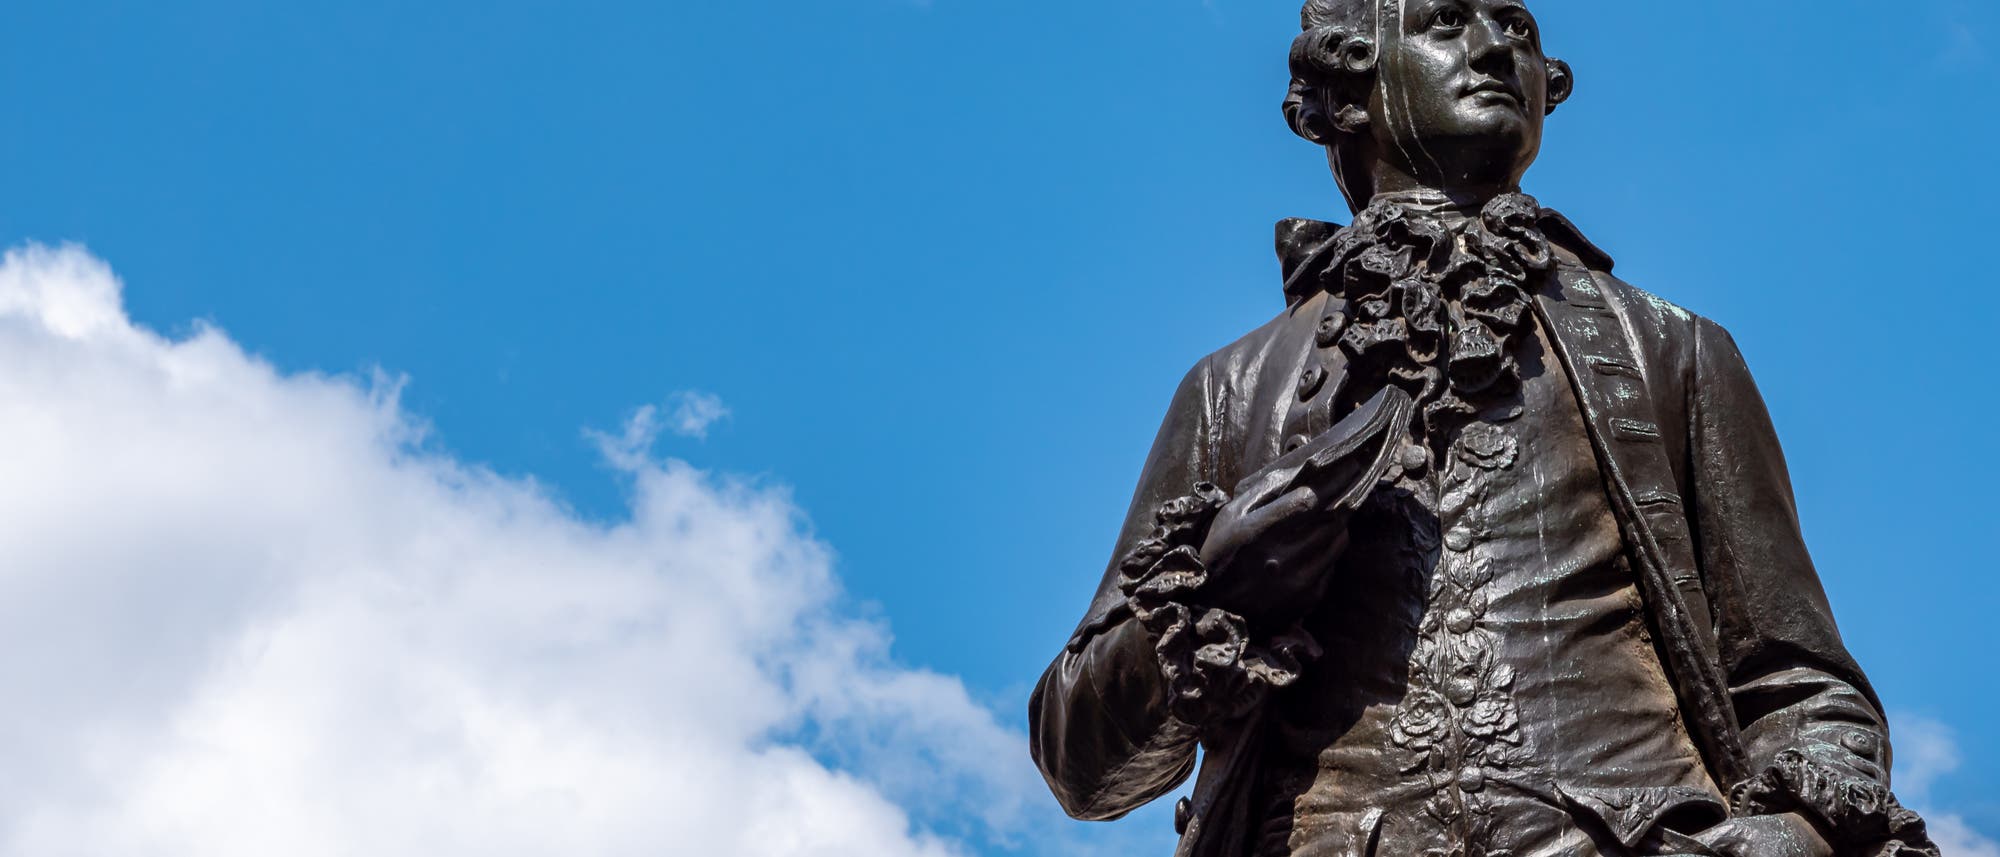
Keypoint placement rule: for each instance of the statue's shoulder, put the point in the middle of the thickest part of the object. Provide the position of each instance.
(1645, 310)
(1651, 316)
(1277, 342)
(1301, 246)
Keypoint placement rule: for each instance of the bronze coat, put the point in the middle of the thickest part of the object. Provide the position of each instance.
(1695, 474)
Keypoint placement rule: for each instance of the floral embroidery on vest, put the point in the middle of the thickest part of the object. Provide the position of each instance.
(1439, 309)
(1459, 722)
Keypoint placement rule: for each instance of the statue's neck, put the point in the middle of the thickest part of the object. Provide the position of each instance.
(1433, 202)
(1466, 194)
(1424, 198)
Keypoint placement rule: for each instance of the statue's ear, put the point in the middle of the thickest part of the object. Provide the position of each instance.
(1562, 82)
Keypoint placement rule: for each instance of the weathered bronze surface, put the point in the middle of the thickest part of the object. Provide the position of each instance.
(1474, 550)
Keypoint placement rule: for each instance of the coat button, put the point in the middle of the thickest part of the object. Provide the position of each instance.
(1183, 813)
(1310, 380)
(1859, 742)
(1296, 441)
(1330, 328)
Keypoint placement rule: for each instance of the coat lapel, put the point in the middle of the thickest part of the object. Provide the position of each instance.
(1595, 346)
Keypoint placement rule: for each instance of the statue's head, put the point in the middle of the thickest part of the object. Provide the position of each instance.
(1444, 95)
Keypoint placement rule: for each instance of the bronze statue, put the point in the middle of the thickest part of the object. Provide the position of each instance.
(1474, 550)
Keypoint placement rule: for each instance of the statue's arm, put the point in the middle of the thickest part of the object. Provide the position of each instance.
(1814, 734)
(1099, 724)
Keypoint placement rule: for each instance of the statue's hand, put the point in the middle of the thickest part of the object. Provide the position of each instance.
(1270, 548)
(1788, 835)
(1268, 557)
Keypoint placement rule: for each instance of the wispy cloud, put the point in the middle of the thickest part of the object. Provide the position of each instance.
(243, 612)
(1961, 47)
(1926, 752)
(1955, 838)
(1962, 30)
(693, 413)
(688, 414)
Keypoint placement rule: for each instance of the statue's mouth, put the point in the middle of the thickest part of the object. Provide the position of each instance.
(1497, 87)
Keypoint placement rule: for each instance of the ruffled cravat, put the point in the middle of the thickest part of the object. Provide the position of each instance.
(1438, 300)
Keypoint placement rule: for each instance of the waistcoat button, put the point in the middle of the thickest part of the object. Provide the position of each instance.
(1415, 458)
(1459, 539)
(1472, 779)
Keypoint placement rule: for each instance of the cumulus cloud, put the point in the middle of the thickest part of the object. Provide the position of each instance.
(1926, 751)
(246, 612)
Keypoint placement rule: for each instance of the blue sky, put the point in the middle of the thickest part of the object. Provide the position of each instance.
(944, 261)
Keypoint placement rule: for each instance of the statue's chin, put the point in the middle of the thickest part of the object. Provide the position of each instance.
(1473, 162)
(1498, 126)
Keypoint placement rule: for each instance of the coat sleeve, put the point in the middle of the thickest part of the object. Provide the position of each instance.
(1814, 736)
(1099, 724)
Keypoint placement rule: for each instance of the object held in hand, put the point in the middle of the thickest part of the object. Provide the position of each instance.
(1340, 466)
(1330, 475)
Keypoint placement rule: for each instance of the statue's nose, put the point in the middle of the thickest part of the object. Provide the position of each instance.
(1488, 48)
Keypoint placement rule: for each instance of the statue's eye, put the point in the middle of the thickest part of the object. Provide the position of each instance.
(1447, 19)
(1520, 28)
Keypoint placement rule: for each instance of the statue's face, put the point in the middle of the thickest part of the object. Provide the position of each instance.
(1463, 89)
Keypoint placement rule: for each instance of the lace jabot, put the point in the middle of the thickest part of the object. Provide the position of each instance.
(1437, 299)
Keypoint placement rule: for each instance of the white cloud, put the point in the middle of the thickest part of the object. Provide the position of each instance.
(694, 412)
(691, 415)
(244, 612)
(1955, 838)
(1927, 751)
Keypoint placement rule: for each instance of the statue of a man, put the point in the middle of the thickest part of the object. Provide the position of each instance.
(1566, 610)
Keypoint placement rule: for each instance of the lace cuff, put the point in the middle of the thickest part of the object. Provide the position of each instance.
(1859, 815)
(1215, 672)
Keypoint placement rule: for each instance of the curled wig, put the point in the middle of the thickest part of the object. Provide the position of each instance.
(1333, 74)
